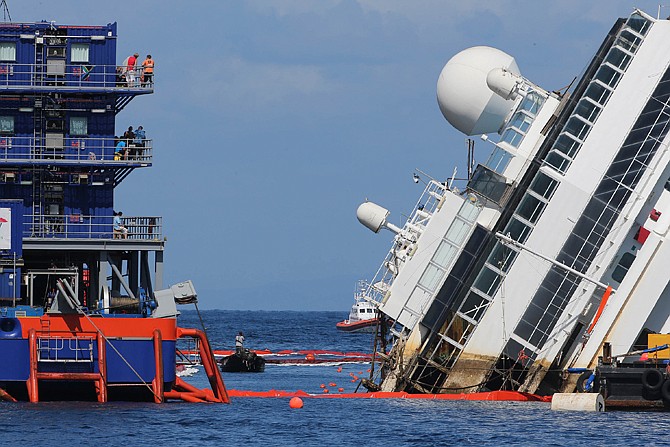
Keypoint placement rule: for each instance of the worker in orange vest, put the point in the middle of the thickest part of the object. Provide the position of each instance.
(148, 69)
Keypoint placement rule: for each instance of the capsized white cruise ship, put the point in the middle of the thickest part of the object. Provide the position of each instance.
(558, 242)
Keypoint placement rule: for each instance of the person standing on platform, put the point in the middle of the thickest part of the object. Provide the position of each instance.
(130, 70)
(239, 343)
(148, 75)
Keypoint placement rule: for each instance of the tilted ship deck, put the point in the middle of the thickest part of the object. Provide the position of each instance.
(83, 310)
(558, 242)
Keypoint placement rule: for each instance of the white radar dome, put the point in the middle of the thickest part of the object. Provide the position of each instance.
(464, 96)
(372, 215)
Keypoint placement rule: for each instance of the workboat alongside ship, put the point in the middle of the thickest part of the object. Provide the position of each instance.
(556, 245)
(362, 317)
(84, 311)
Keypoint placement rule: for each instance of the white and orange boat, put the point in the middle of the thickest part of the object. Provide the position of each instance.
(362, 317)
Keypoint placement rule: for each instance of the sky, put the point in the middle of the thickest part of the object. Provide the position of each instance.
(272, 121)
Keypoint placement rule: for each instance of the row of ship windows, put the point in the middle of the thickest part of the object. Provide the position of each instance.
(78, 125)
(79, 52)
(596, 96)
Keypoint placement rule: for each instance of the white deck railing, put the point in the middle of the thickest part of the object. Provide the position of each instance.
(57, 74)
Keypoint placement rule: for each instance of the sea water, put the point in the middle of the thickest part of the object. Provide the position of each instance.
(321, 422)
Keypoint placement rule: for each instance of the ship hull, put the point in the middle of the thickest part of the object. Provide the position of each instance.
(358, 326)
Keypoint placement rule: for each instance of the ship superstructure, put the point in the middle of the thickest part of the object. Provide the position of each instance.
(501, 285)
(81, 296)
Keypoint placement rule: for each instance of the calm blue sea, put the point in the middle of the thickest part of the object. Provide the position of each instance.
(339, 422)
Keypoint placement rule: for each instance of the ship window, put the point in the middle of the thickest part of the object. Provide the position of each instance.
(628, 41)
(543, 185)
(521, 121)
(618, 58)
(499, 160)
(78, 125)
(457, 232)
(597, 92)
(558, 162)
(6, 125)
(588, 110)
(608, 75)
(502, 257)
(517, 230)
(577, 127)
(8, 51)
(532, 103)
(488, 183)
(445, 254)
(469, 211)
(79, 52)
(638, 23)
(487, 281)
(431, 277)
(530, 208)
(567, 145)
(512, 137)
(622, 268)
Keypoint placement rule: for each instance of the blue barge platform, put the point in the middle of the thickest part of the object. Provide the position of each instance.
(83, 310)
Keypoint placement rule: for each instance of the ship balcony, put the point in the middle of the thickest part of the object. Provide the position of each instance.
(54, 149)
(56, 75)
(82, 227)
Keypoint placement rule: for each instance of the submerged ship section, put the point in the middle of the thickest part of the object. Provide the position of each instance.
(83, 310)
(555, 245)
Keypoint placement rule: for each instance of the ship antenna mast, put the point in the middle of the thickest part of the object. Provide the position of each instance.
(5, 11)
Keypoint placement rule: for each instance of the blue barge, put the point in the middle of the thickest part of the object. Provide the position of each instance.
(83, 310)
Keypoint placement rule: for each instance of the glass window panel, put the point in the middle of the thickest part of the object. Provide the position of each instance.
(567, 144)
(8, 51)
(498, 160)
(512, 137)
(588, 110)
(530, 208)
(608, 75)
(457, 232)
(597, 92)
(638, 23)
(79, 52)
(469, 211)
(474, 306)
(543, 185)
(487, 281)
(78, 125)
(628, 41)
(431, 277)
(502, 257)
(577, 127)
(517, 230)
(532, 103)
(618, 58)
(6, 124)
(557, 161)
(445, 254)
(521, 121)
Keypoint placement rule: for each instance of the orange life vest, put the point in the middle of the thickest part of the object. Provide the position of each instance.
(148, 65)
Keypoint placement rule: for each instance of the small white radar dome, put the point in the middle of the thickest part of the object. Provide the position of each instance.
(372, 216)
(464, 96)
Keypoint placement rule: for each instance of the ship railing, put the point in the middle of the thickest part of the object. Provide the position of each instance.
(55, 74)
(59, 149)
(80, 226)
(62, 349)
(404, 243)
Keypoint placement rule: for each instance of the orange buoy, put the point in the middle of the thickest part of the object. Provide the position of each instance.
(326, 391)
(332, 384)
(353, 380)
(295, 402)
(369, 370)
(339, 370)
(323, 385)
(341, 390)
(310, 357)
